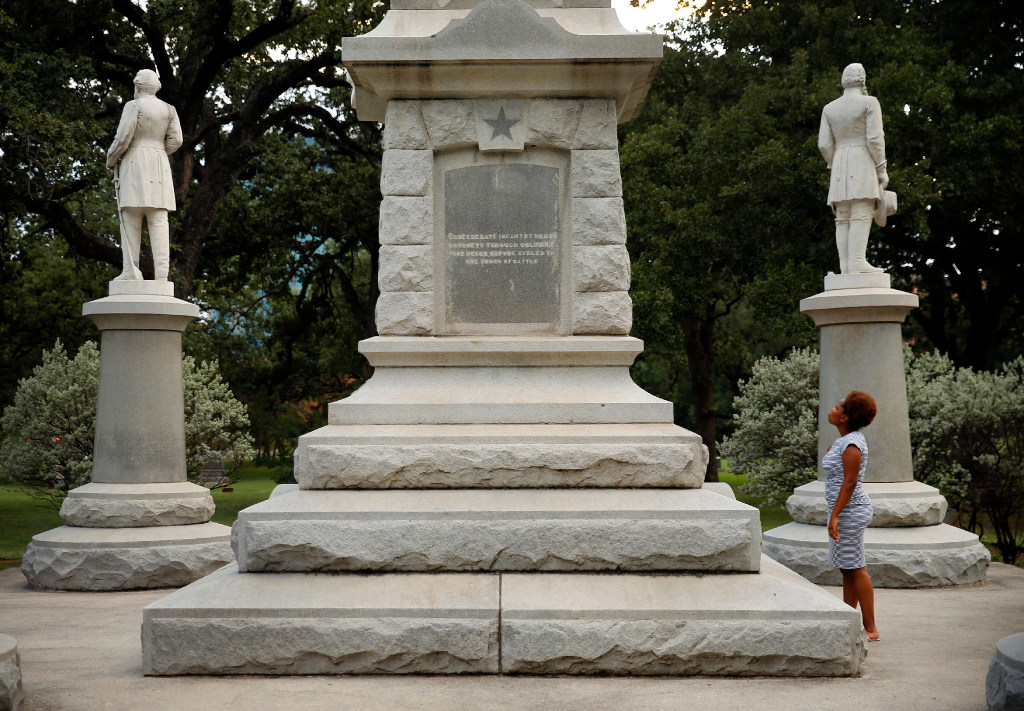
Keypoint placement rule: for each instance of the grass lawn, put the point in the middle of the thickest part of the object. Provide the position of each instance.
(771, 516)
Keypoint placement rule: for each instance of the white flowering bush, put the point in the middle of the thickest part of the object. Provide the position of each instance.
(48, 430)
(776, 438)
(967, 430)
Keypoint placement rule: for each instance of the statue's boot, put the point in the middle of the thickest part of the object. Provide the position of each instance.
(842, 238)
(858, 245)
(131, 241)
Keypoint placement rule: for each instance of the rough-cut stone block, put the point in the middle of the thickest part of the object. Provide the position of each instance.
(12, 693)
(597, 125)
(71, 558)
(450, 123)
(405, 313)
(598, 221)
(404, 127)
(406, 268)
(928, 556)
(1004, 685)
(488, 137)
(406, 220)
(607, 312)
(552, 122)
(595, 174)
(767, 623)
(97, 505)
(896, 504)
(236, 623)
(406, 173)
(600, 268)
(338, 457)
(498, 530)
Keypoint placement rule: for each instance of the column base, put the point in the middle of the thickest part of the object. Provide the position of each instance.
(896, 504)
(99, 505)
(93, 559)
(926, 556)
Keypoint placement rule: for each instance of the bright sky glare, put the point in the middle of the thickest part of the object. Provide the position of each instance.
(657, 12)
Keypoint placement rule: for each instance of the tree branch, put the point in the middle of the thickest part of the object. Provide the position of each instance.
(154, 37)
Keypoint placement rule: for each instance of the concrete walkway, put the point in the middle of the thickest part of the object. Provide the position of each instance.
(81, 651)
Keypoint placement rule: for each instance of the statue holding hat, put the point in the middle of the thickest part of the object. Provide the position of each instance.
(148, 132)
(853, 144)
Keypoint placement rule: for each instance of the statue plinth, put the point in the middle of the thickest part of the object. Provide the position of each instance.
(907, 544)
(140, 523)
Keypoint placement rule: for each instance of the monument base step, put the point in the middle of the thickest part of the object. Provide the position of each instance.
(895, 504)
(477, 456)
(767, 623)
(110, 505)
(73, 558)
(498, 530)
(927, 556)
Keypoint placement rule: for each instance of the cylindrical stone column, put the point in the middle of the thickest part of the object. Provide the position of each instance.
(139, 523)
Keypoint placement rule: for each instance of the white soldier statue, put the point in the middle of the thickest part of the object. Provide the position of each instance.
(149, 131)
(852, 142)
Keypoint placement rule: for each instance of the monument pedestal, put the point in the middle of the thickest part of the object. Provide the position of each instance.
(139, 523)
(500, 445)
(906, 543)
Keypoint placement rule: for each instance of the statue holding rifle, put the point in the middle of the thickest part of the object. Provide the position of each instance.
(149, 131)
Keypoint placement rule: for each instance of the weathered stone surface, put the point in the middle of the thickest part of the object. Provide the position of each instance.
(598, 221)
(597, 125)
(607, 312)
(475, 464)
(1004, 685)
(234, 623)
(894, 504)
(406, 220)
(404, 127)
(12, 693)
(600, 268)
(450, 123)
(488, 137)
(405, 313)
(552, 122)
(406, 173)
(721, 488)
(595, 174)
(406, 268)
(69, 558)
(767, 623)
(498, 530)
(928, 556)
(97, 505)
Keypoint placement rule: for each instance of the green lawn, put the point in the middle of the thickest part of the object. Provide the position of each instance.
(771, 516)
(21, 517)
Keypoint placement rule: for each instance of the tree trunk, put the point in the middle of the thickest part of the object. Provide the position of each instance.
(699, 345)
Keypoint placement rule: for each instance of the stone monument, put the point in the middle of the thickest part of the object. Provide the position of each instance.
(495, 498)
(906, 544)
(139, 523)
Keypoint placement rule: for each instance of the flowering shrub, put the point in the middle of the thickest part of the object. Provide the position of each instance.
(776, 438)
(49, 428)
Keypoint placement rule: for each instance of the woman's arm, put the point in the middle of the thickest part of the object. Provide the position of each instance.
(851, 470)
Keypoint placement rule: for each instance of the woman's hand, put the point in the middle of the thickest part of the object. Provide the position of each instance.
(833, 528)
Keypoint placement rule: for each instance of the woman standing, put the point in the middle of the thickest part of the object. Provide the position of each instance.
(849, 508)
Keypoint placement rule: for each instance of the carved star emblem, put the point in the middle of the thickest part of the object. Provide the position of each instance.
(501, 126)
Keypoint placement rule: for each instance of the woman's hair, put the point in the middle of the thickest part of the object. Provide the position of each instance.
(860, 408)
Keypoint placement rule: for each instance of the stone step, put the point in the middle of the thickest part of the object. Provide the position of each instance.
(895, 504)
(509, 455)
(498, 529)
(925, 556)
(74, 558)
(771, 622)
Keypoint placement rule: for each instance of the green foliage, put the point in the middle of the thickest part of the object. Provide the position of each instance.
(776, 438)
(967, 427)
(49, 430)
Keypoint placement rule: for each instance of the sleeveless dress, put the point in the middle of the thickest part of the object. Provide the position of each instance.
(848, 552)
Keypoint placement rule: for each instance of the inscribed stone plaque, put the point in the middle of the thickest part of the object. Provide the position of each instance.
(501, 239)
